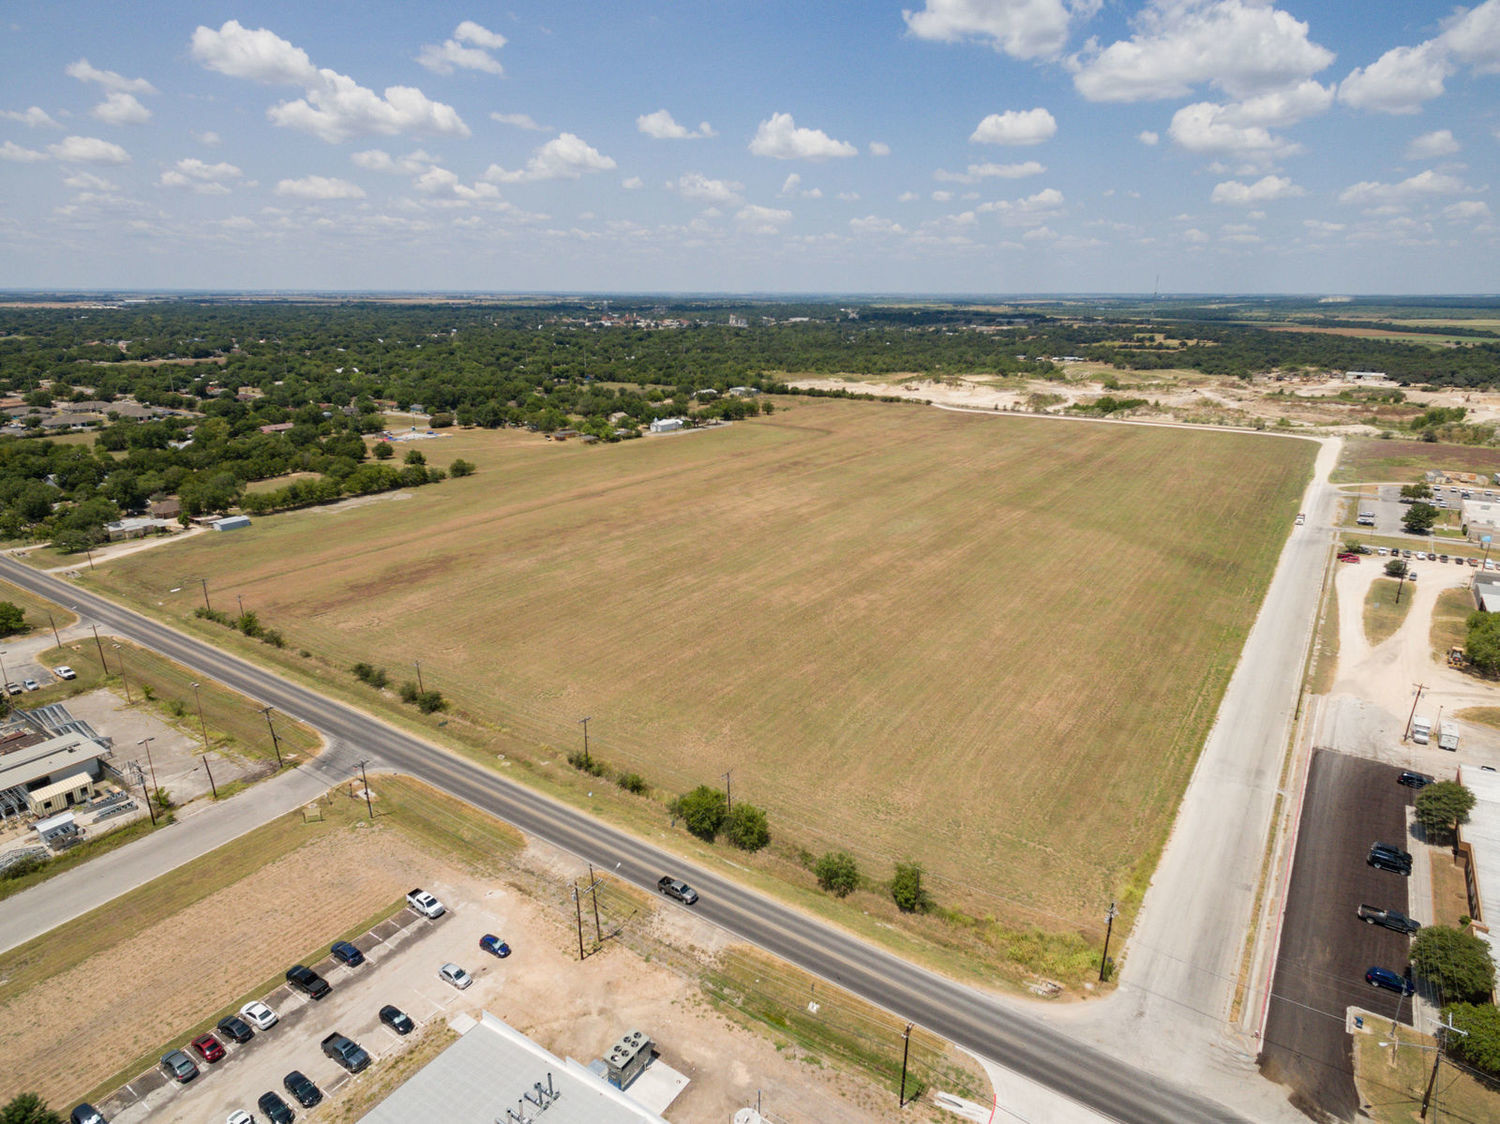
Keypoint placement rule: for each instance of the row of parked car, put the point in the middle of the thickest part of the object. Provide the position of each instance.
(1387, 856)
(63, 672)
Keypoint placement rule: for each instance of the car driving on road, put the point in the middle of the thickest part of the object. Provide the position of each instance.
(676, 888)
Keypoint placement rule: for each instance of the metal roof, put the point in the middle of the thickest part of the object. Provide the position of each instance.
(1482, 834)
(495, 1073)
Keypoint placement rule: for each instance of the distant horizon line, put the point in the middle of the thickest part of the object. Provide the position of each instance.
(752, 294)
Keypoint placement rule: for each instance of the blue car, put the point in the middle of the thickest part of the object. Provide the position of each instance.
(1391, 981)
(494, 945)
(346, 953)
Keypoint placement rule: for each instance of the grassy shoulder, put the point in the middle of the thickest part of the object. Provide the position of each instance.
(1386, 606)
(1392, 1080)
(41, 614)
(1324, 661)
(1449, 617)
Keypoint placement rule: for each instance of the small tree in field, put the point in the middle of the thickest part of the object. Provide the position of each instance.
(702, 811)
(837, 873)
(907, 891)
(745, 826)
(12, 618)
(383, 451)
(1441, 807)
(1479, 1045)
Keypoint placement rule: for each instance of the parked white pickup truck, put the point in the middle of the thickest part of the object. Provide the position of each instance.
(425, 904)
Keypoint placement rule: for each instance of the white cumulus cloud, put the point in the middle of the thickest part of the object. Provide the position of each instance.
(1399, 81)
(1263, 190)
(468, 49)
(874, 224)
(520, 121)
(762, 220)
(334, 106)
(879, 148)
(1421, 185)
(1016, 126)
(1022, 29)
(699, 188)
(88, 150)
(13, 152)
(1431, 146)
(1467, 209)
(1148, 138)
(1243, 47)
(84, 72)
(565, 156)
(1029, 211)
(780, 138)
(87, 181)
(200, 177)
(34, 116)
(976, 172)
(119, 108)
(319, 187)
(662, 126)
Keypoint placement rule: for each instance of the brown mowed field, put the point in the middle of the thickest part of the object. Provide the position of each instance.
(989, 644)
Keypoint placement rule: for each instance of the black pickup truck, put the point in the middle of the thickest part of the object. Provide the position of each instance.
(675, 888)
(1390, 918)
(347, 1052)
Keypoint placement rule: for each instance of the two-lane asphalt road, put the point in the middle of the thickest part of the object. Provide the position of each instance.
(964, 1016)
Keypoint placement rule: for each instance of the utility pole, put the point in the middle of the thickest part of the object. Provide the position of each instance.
(90, 552)
(155, 788)
(1109, 927)
(418, 664)
(1406, 735)
(594, 893)
(241, 600)
(728, 797)
(275, 742)
(578, 909)
(210, 773)
(905, 1053)
(585, 723)
(206, 605)
(1437, 1057)
(202, 724)
(55, 636)
(120, 655)
(140, 778)
(364, 780)
(100, 644)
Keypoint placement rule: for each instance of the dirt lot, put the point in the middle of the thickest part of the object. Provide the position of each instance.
(169, 974)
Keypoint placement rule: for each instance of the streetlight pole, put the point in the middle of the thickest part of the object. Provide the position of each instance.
(1109, 927)
(146, 744)
(55, 636)
(585, 723)
(275, 742)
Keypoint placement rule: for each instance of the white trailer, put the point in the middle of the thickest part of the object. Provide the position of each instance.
(1421, 729)
(1448, 736)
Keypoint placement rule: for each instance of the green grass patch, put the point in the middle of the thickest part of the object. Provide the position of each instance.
(37, 609)
(1383, 612)
(1392, 1082)
(1405, 462)
(1325, 653)
(1448, 621)
(1481, 715)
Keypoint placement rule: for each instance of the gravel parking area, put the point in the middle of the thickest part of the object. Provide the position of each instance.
(1325, 949)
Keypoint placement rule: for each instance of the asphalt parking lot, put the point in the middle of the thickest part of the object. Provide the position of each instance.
(1349, 804)
(401, 961)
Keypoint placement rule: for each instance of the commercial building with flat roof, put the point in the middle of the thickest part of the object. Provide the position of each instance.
(494, 1074)
(1480, 837)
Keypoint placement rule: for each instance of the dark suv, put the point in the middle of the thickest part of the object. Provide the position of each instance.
(1414, 780)
(1383, 856)
(305, 980)
(300, 1086)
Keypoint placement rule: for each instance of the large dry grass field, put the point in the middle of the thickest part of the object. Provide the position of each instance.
(993, 645)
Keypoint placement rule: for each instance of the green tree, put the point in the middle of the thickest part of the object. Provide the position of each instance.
(1416, 492)
(415, 456)
(1482, 643)
(1479, 1046)
(1441, 807)
(745, 826)
(907, 890)
(1395, 567)
(12, 618)
(461, 467)
(1419, 518)
(28, 1108)
(1457, 961)
(837, 873)
(383, 451)
(702, 811)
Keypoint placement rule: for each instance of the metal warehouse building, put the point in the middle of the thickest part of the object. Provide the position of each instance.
(494, 1074)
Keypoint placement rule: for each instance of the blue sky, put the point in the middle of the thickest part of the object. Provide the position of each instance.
(943, 146)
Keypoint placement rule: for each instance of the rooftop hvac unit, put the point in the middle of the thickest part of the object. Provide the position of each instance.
(627, 1057)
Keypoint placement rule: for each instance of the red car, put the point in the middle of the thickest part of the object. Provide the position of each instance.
(1348, 558)
(209, 1048)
